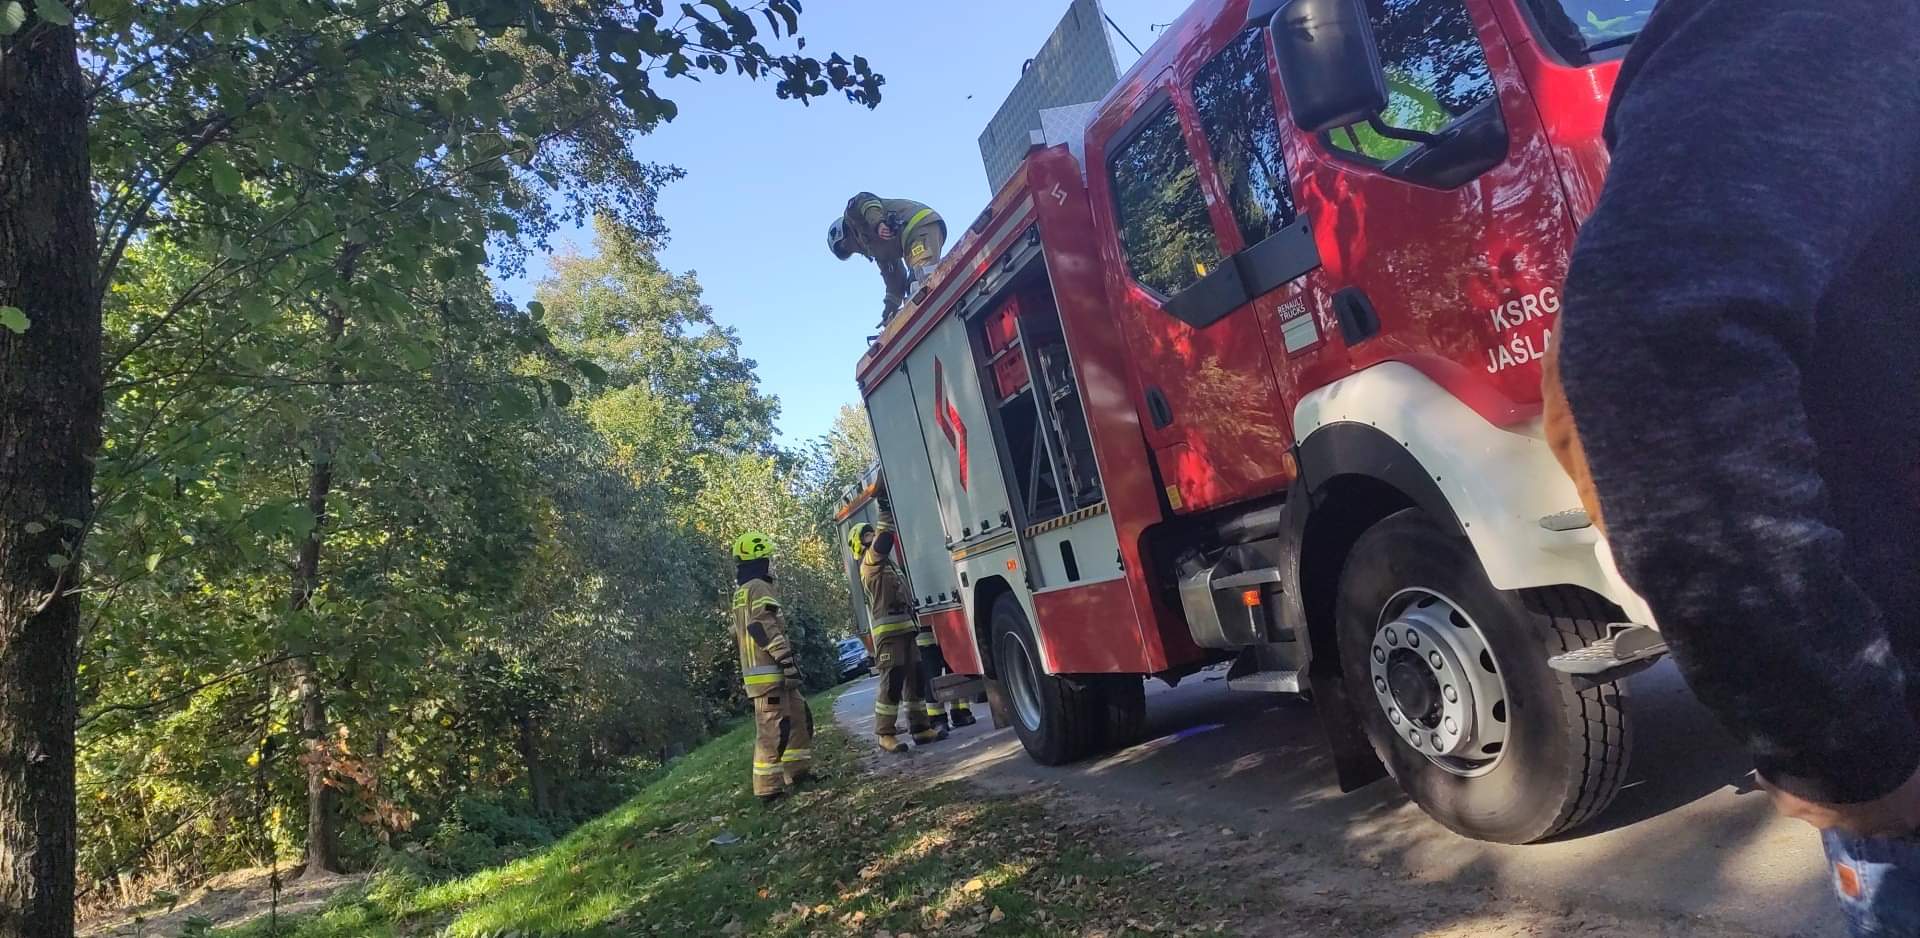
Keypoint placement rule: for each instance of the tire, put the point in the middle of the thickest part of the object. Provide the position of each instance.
(1561, 751)
(1057, 721)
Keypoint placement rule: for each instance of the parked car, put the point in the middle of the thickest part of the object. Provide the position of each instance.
(854, 660)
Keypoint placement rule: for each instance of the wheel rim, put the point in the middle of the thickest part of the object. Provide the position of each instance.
(1437, 680)
(1023, 681)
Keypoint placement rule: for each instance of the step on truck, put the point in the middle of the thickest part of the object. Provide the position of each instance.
(1246, 371)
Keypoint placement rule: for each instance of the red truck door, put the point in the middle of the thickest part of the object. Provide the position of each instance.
(1445, 252)
(1210, 404)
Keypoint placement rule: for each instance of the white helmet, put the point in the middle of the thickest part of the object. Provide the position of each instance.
(837, 239)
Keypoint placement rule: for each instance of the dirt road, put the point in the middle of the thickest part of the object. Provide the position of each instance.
(1689, 848)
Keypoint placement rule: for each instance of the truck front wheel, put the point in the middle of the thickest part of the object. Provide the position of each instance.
(1057, 720)
(1451, 678)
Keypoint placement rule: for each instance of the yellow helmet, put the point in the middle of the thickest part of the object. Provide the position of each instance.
(854, 535)
(752, 545)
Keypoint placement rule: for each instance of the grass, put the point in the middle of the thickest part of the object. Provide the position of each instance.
(859, 854)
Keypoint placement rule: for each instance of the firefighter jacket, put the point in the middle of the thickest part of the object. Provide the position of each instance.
(889, 605)
(866, 212)
(766, 656)
(907, 219)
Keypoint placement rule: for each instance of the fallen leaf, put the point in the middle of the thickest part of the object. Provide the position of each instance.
(725, 839)
(996, 916)
(975, 884)
(822, 909)
(734, 927)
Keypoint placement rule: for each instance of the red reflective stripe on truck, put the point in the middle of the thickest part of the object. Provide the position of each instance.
(948, 418)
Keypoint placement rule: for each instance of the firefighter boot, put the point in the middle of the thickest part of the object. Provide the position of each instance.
(963, 714)
(891, 743)
(936, 722)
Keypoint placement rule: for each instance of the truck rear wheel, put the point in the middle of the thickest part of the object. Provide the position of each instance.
(1057, 721)
(1451, 678)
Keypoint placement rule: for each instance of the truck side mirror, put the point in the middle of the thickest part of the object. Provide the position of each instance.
(1329, 63)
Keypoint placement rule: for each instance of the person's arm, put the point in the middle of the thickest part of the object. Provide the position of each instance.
(1757, 143)
(866, 211)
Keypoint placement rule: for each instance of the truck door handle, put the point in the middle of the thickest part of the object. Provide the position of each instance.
(1158, 410)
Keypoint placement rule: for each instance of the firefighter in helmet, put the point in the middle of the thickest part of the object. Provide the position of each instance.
(783, 725)
(895, 654)
(904, 237)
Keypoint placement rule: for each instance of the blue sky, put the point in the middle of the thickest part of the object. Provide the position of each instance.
(764, 176)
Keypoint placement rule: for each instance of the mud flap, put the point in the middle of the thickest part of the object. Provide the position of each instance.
(1354, 761)
(951, 688)
(998, 704)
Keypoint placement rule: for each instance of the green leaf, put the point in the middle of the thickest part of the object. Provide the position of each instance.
(465, 37)
(562, 392)
(59, 561)
(537, 310)
(265, 519)
(153, 562)
(53, 11)
(226, 179)
(13, 318)
(300, 521)
(35, 527)
(515, 402)
(12, 17)
(591, 371)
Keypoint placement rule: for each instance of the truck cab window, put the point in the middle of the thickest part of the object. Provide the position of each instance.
(1235, 101)
(1583, 29)
(1164, 227)
(1436, 73)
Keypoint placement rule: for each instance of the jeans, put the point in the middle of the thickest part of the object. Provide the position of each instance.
(1878, 882)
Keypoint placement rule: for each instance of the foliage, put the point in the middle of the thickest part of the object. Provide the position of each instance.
(364, 534)
(861, 855)
(525, 586)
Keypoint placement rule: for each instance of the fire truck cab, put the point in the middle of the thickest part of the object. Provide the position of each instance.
(1247, 369)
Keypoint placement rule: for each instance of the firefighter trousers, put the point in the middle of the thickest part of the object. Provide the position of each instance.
(901, 687)
(782, 740)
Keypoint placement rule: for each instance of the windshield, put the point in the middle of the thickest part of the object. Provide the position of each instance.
(1579, 28)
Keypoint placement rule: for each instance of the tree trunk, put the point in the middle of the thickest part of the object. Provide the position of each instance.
(323, 841)
(49, 433)
(538, 784)
(323, 836)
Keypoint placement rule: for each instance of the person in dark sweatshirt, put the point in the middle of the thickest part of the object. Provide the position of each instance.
(1740, 364)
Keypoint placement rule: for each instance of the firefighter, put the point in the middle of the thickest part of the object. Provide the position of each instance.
(895, 654)
(783, 724)
(933, 664)
(904, 237)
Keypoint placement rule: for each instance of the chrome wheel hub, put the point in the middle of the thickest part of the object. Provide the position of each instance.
(1436, 678)
(1023, 681)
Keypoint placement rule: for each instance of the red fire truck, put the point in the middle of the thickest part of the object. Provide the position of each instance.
(1247, 369)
